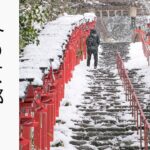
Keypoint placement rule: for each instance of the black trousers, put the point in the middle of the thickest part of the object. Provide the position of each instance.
(89, 54)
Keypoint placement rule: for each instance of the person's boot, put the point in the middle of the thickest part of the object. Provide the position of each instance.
(95, 67)
(88, 63)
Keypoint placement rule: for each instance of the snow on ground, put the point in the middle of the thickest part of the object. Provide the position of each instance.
(53, 39)
(73, 95)
(138, 60)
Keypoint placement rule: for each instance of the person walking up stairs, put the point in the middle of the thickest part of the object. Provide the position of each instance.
(92, 43)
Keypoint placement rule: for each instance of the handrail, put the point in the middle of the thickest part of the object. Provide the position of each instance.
(146, 49)
(145, 44)
(131, 96)
(43, 102)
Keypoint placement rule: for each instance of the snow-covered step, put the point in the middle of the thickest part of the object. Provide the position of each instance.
(142, 93)
(108, 117)
(104, 119)
(104, 129)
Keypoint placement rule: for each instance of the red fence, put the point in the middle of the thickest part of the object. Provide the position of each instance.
(146, 49)
(40, 107)
(137, 111)
(145, 42)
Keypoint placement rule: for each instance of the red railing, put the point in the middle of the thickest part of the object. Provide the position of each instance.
(145, 43)
(40, 106)
(146, 49)
(137, 111)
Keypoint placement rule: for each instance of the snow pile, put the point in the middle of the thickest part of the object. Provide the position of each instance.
(73, 95)
(139, 61)
(137, 58)
(53, 39)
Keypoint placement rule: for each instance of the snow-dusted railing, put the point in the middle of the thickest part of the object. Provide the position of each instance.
(137, 111)
(146, 49)
(42, 79)
(146, 44)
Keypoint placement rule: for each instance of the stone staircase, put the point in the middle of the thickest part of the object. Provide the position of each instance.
(107, 122)
(143, 93)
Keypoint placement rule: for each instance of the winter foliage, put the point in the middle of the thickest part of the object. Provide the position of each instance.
(34, 14)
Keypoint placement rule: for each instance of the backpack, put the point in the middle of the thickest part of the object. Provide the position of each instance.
(92, 42)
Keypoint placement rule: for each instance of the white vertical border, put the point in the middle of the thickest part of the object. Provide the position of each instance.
(9, 74)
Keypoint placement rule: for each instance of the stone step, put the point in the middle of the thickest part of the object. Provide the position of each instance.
(95, 87)
(90, 93)
(79, 137)
(147, 116)
(85, 147)
(92, 110)
(146, 111)
(110, 94)
(132, 148)
(102, 145)
(84, 125)
(109, 107)
(124, 123)
(102, 123)
(107, 79)
(78, 142)
(102, 129)
(119, 148)
(108, 144)
(96, 122)
(113, 91)
(113, 85)
(88, 135)
(99, 108)
(87, 97)
(118, 109)
(101, 113)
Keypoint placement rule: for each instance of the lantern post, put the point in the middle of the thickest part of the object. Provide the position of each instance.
(133, 14)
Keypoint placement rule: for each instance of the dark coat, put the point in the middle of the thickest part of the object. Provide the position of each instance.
(92, 46)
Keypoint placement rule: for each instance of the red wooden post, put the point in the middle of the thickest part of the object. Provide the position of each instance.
(137, 120)
(44, 129)
(69, 64)
(140, 130)
(27, 135)
(24, 144)
(40, 138)
(62, 84)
